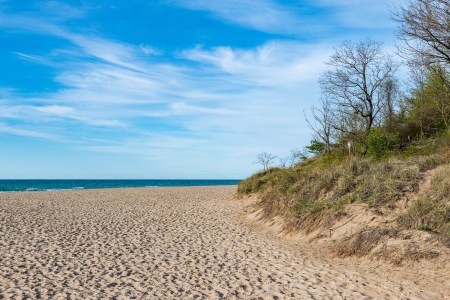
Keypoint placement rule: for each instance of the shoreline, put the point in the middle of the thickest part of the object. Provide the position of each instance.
(119, 187)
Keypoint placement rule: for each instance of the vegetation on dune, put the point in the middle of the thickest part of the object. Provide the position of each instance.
(374, 139)
(431, 211)
(314, 193)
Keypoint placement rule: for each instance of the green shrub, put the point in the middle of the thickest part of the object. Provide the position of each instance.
(426, 228)
(377, 143)
(316, 147)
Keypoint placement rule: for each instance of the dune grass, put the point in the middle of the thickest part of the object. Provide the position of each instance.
(431, 211)
(314, 193)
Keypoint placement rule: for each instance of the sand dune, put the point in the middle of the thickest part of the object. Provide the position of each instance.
(163, 243)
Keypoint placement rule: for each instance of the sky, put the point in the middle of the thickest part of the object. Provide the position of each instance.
(166, 89)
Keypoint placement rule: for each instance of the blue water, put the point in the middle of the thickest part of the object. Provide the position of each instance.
(72, 184)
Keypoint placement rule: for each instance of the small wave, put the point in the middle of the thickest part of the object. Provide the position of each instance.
(32, 189)
(69, 189)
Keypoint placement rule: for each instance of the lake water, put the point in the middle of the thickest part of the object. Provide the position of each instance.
(72, 184)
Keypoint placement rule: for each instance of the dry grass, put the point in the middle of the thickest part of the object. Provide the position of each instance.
(431, 211)
(387, 244)
(310, 197)
(258, 182)
(363, 242)
(314, 194)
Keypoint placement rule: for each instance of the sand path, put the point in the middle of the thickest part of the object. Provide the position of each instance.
(161, 243)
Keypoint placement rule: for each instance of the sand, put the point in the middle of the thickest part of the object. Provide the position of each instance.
(165, 243)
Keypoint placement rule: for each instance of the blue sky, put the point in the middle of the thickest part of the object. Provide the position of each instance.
(165, 88)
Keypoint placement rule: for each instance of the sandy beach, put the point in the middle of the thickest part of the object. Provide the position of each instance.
(168, 243)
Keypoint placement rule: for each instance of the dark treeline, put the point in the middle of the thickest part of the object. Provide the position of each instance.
(364, 106)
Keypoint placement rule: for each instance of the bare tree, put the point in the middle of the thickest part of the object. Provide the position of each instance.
(297, 156)
(358, 72)
(418, 78)
(390, 92)
(424, 28)
(294, 158)
(321, 122)
(348, 127)
(265, 159)
(283, 162)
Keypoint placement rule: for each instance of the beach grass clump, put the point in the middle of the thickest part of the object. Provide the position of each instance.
(431, 211)
(258, 182)
(386, 244)
(363, 242)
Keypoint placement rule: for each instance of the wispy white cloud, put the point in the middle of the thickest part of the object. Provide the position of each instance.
(4, 128)
(361, 14)
(52, 113)
(56, 110)
(300, 18)
(149, 50)
(275, 63)
(263, 15)
(183, 108)
(62, 11)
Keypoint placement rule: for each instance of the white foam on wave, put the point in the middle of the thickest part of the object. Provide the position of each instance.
(69, 189)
